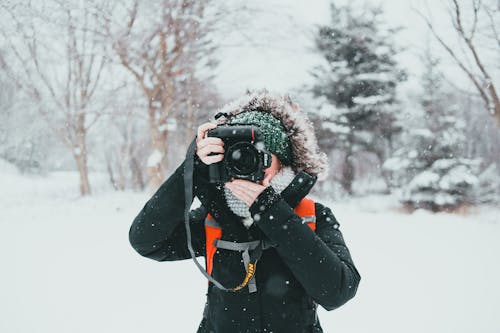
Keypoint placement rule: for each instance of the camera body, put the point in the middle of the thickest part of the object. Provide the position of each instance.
(245, 156)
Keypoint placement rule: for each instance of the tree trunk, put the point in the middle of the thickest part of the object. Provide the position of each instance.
(123, 165)
(137, 177)
(80, 154)
(496, 103)
(348, 173)
(189, 128)
(157, 161)
(81, 163)
(111, 174)
(386, 176)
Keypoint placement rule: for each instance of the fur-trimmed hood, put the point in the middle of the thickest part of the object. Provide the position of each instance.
(306, 154)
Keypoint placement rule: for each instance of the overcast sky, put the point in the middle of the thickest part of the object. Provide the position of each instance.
(283, 31)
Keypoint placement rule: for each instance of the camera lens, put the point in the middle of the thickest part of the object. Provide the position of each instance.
(242, 158)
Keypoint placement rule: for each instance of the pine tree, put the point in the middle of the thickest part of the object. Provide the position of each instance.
(445, 180)
(431, 165)
(357, 83)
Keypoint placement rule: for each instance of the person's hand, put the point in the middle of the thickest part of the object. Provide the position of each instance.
(249, 191)
(206, 146)
(245, 190)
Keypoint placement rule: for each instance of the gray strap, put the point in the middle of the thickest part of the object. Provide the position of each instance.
(252, 286)
(211, 223)
(188, 199)
(245, 247)
(306, 219)
(226, 245)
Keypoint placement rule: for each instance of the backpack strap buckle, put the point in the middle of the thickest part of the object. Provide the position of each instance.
(249, 261)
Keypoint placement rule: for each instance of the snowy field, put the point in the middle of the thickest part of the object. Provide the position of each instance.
(67, 266)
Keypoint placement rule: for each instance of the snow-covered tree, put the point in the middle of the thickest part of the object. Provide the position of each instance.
(488, 190)
(357, 84)
(443, 179)
(58, 63)
(431, 164)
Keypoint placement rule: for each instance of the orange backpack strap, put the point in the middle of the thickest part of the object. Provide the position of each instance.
(306, 209)
(213, 231)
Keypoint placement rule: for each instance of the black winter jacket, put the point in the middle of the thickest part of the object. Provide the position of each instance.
(306, 268)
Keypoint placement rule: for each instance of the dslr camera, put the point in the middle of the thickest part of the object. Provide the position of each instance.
(245, 156)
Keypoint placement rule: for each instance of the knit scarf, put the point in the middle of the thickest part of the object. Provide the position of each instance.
(279, 182)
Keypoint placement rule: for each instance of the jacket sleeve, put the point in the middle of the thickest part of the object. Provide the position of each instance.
(158, 232)
(319, 260)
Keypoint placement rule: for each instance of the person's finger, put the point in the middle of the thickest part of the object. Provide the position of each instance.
(205, 151)
(210, 141)
(244, 187)
(203, 128)
(248, 184)
(253, 192)
(212, 159)
(241, 194)
(267, 180)
(243, 182)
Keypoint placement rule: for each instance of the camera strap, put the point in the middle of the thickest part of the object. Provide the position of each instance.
(250, 261)
(188, 196)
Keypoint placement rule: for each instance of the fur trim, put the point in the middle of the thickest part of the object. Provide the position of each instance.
(306, 154)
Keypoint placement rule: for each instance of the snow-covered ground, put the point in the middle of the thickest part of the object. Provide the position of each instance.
(67, 266)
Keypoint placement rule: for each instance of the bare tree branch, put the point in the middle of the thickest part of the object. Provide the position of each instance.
(482, 80)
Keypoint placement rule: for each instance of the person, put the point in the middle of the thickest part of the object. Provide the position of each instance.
(306, 262)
